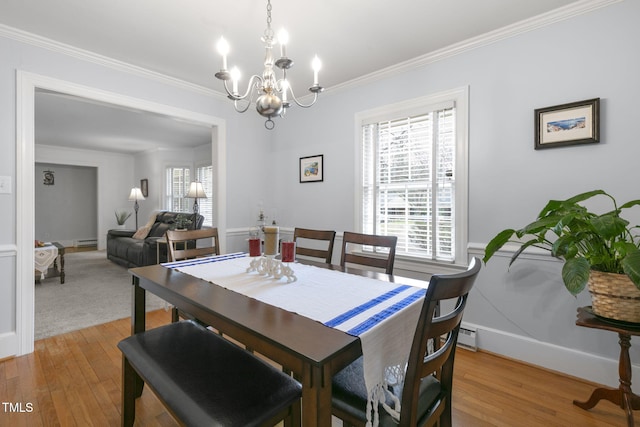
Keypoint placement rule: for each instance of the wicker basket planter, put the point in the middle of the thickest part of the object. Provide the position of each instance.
(614, 296)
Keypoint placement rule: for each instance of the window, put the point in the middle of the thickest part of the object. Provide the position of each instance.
(204, 174)
(177, 186)
(413, 175)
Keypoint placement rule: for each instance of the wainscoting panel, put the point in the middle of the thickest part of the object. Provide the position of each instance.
(8, 337)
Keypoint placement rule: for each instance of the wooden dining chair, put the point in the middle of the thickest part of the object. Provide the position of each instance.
(183, 244)
(425, 394)
(378, 259)
(323, 237)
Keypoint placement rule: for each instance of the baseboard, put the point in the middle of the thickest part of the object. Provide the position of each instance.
(575, 363)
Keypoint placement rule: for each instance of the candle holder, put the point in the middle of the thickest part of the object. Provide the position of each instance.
(267, 265)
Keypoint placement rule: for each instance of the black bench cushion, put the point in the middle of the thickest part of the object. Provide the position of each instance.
(206, 380)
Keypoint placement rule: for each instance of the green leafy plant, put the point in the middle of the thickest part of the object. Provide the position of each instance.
(583, 239)
(182, 221)
(122, 216)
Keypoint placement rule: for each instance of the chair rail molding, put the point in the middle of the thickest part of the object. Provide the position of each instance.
(8, 250)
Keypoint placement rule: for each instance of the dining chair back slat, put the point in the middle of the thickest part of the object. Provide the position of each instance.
(377, 259)
(183, 244)
(324, 237)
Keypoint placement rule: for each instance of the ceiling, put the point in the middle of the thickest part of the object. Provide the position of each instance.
(353, 38)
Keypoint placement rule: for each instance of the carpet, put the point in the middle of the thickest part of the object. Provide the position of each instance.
(95, 291)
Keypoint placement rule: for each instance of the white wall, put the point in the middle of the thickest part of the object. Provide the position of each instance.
(523, 313)
(114, 172)
(238, 137)
(526, 312)
(67, 210)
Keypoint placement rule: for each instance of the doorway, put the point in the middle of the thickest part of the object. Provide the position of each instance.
(27, 84)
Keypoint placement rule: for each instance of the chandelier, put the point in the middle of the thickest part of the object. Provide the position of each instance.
(270, 94)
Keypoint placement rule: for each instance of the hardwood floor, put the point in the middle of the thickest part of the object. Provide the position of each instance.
(74, 380)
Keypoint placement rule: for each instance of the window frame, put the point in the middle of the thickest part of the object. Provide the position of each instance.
(168, 197)
(460, 97)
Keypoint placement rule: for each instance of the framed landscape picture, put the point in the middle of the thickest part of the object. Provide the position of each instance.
(568, 124)
(311, 168)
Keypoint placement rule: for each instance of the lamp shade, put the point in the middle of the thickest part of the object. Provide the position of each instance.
(196, 191)
(135, 194)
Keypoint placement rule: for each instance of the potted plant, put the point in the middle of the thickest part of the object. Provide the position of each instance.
(122, 216)
(182, 221)
(599, 249)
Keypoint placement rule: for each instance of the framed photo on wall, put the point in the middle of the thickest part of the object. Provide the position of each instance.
(144, 187)
(568, 124)
(311, 168)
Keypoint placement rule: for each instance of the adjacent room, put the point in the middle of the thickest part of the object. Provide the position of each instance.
(334, 212)
(74, 137)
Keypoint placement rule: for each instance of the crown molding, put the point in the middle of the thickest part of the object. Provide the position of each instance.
(543, 20)
(85, 55)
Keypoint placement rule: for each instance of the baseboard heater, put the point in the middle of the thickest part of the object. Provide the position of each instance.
(83, 243)
(467, 338)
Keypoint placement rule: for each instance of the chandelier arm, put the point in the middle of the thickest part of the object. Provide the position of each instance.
(293, 96)
(265, 91)
(248, 91)
(236, 102)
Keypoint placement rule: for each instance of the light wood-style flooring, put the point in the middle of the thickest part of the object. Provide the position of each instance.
(74, 380)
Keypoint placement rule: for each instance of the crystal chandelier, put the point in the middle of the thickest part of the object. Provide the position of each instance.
(271, 94)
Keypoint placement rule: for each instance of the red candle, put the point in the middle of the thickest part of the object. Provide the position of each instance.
(288, 251)
(254, 247)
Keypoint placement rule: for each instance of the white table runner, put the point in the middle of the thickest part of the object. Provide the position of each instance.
(382, 314)
(44, 256)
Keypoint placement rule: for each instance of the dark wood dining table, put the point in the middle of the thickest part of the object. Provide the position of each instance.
(312, 351)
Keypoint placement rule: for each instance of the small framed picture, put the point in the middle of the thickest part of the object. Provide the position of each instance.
(48, 178)
(311, 168)
(144, 187)
(568, 124)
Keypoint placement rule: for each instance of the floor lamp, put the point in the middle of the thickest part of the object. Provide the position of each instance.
(196, 191)
(134, 196)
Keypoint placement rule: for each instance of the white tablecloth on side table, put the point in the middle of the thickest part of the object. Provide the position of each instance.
(44, 258)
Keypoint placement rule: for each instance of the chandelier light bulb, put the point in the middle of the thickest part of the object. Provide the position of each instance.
(223, 50)
(285, 87)
(270, 91)
(235, 77)
(316, 65)
(283, 39)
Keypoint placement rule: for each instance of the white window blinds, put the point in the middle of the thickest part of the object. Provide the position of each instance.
(409, 181)
(177, 186)
(204, 174)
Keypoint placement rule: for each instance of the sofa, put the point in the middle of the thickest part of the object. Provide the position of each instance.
(126, 248)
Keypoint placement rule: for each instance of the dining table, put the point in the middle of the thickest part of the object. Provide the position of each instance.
(231, 300)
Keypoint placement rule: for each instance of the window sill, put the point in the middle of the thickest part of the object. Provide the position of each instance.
(424, 266)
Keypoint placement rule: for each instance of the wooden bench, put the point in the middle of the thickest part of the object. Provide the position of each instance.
(205, 380)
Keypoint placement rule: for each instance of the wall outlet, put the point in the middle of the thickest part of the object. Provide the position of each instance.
(5, 185)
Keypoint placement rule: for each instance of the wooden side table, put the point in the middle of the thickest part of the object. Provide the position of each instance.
(621, 396)
(52, 270)
(55, 262)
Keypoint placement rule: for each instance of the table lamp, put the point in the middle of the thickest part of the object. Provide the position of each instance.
(196, 191)
(134, 196)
